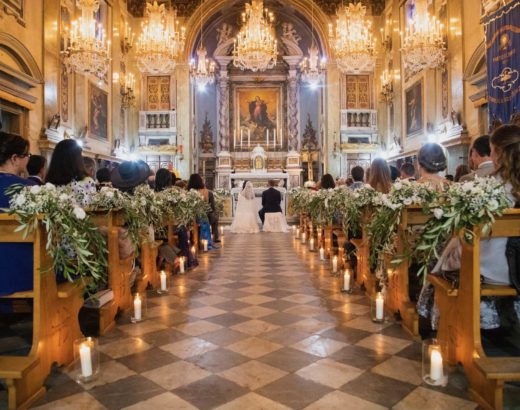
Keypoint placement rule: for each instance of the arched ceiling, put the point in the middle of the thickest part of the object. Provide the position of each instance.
(186, 8)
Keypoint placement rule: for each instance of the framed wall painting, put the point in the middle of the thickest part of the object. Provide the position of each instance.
(97, 112)
(414, 109)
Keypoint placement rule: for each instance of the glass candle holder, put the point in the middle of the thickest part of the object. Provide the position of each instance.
(193, 251)
(221, 231)
(182, 265)
(346, 281)
(334, 263)
(139, 307)
(322, 254)
(294, 230)
(303, 237)
(163, 287)
(311, 244)
(204, 245)
(434, 369)
(378, 308)
(86, 360)
(297, 233)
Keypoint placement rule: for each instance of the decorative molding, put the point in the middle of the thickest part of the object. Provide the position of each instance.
(330, 6)
(28, 64)
(185, 8)
(14, 8)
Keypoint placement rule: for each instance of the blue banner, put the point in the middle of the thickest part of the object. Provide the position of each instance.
(503, 61)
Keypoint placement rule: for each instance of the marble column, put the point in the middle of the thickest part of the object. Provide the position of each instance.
(223, 114)
(293, 142)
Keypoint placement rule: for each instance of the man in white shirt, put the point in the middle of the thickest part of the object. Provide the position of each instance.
(480, 159)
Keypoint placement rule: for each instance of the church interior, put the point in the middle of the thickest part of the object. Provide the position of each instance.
(290, 91)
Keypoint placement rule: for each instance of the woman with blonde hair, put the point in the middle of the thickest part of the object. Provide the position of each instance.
(380, 178)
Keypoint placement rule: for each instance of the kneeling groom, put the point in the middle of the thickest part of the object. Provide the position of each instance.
(271, 199)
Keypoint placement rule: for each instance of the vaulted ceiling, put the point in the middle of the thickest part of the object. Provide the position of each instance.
(185, 8)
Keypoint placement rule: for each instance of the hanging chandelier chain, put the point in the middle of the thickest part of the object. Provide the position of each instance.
(203, 69)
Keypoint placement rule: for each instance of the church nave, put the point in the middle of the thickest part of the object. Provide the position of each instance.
(260, 324)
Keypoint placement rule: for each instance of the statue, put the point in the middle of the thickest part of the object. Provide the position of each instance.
(289, 33)
(224, 33)
(206, 136)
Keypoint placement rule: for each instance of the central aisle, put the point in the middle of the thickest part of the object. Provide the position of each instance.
(258, 325)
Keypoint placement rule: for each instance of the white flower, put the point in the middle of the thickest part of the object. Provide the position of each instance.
(79, 213)
(20, 200)
(64, 197)
(407, 201)
(398, 185)
(493, 205)
(467, 186)
(35, 189)
(438, 212)
(109, 194)
(49, 186)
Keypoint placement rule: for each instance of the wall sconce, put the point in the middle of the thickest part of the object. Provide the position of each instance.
(127, 40)
(335, 149)
(127, 91)
(387, 87)
(386, 39)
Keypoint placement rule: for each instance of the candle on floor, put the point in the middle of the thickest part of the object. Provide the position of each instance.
(346, 280)
(304, 237)
(163, 281)
(436, 370)
(294, 230)
(181, 264)
(205, 245)
(193, 251)
(322, 254)
(297, 232)
(137, 307)
(221, 231)
(335, 264)
(85, 359)
(380, 306)
(311, 244)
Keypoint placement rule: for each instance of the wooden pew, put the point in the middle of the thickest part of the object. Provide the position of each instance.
(398, 281)
(119, 270)
(364, 276)
(461, 309)
(149, 273)
(55, 321)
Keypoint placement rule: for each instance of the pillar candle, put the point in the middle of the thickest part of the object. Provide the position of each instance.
(85, 359)
(193, 251)
(297, 232)
(294, 230)
(335, 264)
(304, 237)
(436, 370)
(322, 254)
(311, 244)
(221, 231)
(267, 138)
(281, 137)
(346, 280)
(137, 307)
(248, 138)
(241, 137)
(181, 264)
(163, 281)
(274, 139)
(380, 306)
(205, 244)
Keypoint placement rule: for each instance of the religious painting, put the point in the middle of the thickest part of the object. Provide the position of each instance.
(414, 109)
(258, 112)
(97, 112)
(158, 93)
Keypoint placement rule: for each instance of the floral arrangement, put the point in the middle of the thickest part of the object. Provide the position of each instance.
(77, 247)
(461, 207)
(221, 196)
(325, 205)
(383, 225)
(351, 210)
(301, 198)
(109, 198)
(182, 206)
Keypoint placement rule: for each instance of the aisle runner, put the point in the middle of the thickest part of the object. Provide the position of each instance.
(259, 325)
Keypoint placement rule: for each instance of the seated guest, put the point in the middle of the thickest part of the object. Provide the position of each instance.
(90, 166)
(461, 171)
(67, 168)
(450, 177)
(358, 174)
(327, 182)
(103, 177)
(349, 182)
(431, 161)
(130, 174)
(197, 184)
(16, 270)
(480, 159)
(380, 178)
(408, 171)
(394, 173)
(36, 169)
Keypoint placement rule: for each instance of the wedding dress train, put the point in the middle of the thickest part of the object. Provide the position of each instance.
(246, 218)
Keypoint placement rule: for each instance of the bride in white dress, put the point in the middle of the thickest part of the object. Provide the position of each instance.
(246, 218)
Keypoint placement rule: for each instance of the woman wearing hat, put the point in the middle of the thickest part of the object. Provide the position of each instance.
(130, 174)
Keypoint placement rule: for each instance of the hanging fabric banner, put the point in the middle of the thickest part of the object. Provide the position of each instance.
(503, 61)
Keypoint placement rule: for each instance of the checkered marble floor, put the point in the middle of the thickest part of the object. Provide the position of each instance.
(260, 324)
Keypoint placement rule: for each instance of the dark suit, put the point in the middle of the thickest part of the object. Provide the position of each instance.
(35, 179)
(271, 199)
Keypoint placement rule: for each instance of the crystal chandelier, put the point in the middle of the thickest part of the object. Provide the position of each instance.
(202, 71)
(86, 48)
(312, 67)
(423, 43)
(352, 41)
(255, 47)
(160, 43)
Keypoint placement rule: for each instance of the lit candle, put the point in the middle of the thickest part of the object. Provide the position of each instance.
(221, 231)
(335, 264)
(85, 359)
(267, 139)
(163, 281)
(436, 370)
(322, 254)
(346, 280)
(274, 139)
(281, 137)
(380, 305)
(304, 237)
(297, 232)
(241, 137)
(249, 138)
(181, 264)
(205, 245)
(294, 230)
(311, 244)
(193, 251)
(137, 307)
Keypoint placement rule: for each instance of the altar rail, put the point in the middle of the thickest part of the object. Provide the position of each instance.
(359, 121)
(157, 121)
